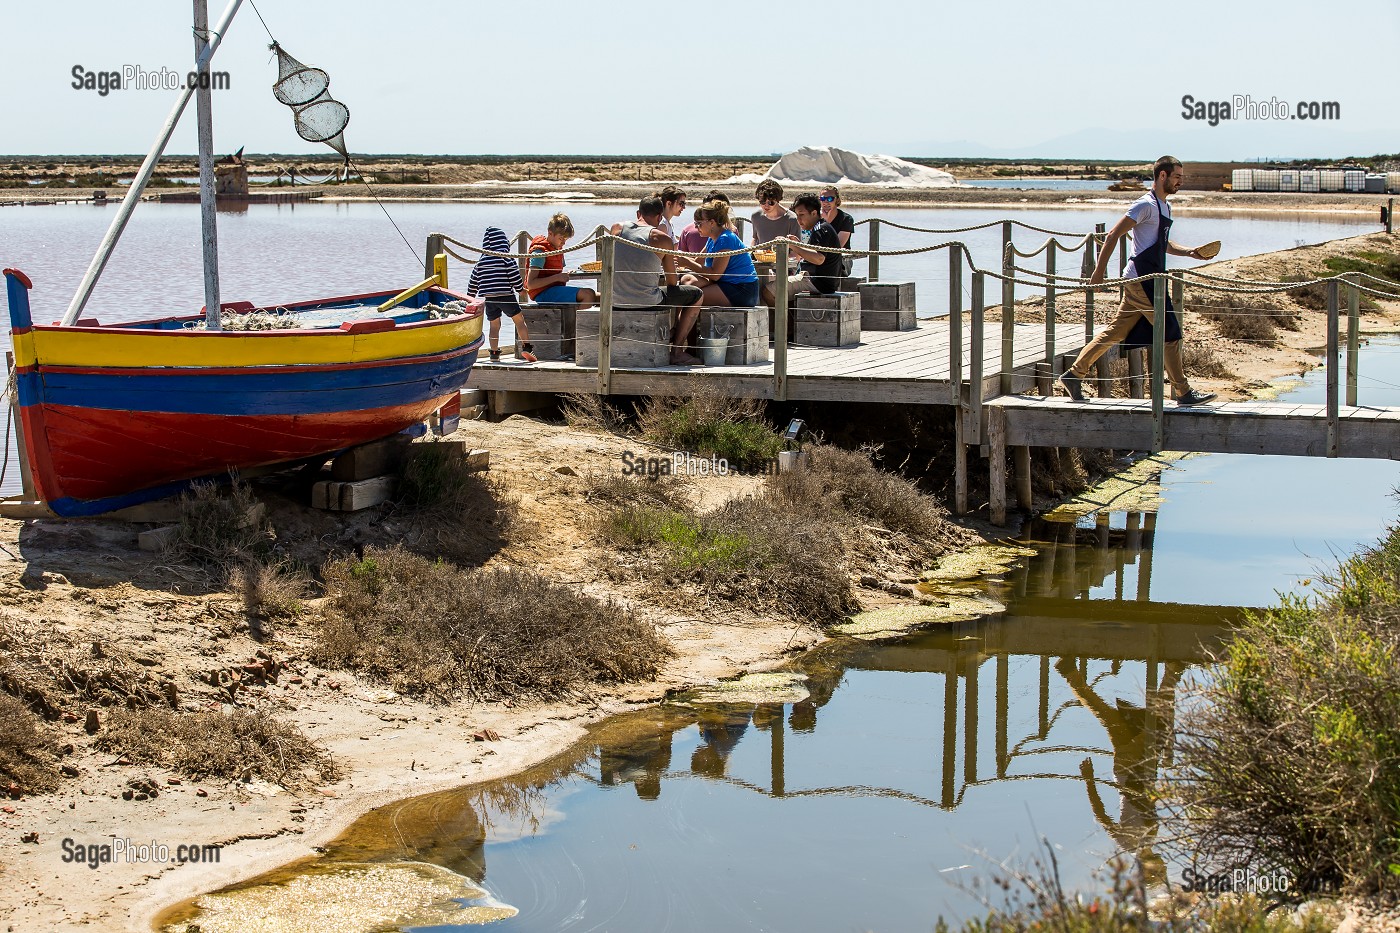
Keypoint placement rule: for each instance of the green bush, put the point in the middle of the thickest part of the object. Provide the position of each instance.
(1293, 759)
(708, 424)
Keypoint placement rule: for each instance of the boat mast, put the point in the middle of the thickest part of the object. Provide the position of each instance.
(138, 184)
(208, 209)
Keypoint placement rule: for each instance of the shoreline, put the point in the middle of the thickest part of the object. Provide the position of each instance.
(390, 747)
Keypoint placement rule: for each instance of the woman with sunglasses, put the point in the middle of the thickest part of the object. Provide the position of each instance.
(844, 224)
(726, 281)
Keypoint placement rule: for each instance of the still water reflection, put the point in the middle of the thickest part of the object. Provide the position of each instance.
(874, 802)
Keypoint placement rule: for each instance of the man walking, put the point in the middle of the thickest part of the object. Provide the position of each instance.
(1148, 222)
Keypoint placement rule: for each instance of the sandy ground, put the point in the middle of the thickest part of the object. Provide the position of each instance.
(80, 583)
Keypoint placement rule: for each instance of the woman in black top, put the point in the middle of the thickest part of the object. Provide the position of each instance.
(843, 223)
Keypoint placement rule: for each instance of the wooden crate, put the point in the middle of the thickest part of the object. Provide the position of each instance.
(641, 337)
(748, 340)
(552, 328)
(826, 320)
(887, 306)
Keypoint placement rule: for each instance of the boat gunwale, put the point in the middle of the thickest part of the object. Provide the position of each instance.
(143, 328)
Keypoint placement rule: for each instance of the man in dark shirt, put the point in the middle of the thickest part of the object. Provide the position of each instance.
(820, 272)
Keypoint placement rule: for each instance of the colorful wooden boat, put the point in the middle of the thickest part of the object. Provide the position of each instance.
(112, 415)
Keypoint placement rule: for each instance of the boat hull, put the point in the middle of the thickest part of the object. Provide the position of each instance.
(113, 416)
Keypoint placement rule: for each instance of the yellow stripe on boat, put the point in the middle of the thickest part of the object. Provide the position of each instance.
(69, 346)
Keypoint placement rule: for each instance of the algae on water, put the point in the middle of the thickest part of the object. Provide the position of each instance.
(762, 687)
(900, 620)
(1135, 489)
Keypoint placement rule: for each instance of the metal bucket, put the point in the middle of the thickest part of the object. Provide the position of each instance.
(712, 350)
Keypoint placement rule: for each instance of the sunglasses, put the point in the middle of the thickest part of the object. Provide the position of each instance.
(826, 199)
(767, 201)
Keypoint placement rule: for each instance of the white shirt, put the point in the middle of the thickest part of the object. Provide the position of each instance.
(1144, 212)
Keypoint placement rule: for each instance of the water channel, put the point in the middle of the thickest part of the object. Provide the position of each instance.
(885, 798)
(911, 767)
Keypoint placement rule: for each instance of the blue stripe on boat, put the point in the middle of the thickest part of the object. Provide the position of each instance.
(251, 393)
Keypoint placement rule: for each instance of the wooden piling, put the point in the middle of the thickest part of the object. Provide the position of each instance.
(959, 463)
(1024, 498)
(605, 308)
(1333, 422)
(996, 437)
(1050, 309)
(780, 321)
(1159, 334)
(872, 273)
(433, 248)
(1353, 341)
(1136, 366)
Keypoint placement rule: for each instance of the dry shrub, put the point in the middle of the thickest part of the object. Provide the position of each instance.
(590, 412)
(708, 423)
(666, 491)
(242, 745)
(273, 590)
(1255, 318)
(26, 751)
(1290, 758)
(1200, 359)
(221, 528)
(46, 672)
(840, 482)
(452, 511)
(429, 628)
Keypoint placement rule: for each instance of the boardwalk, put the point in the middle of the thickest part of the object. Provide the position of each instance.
(906, 367)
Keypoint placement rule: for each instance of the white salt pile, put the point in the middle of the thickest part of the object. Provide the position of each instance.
(828, 165)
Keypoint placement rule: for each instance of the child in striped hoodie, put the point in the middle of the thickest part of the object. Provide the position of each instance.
(498, 280)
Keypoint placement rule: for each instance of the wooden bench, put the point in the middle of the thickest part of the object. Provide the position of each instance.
(641, 337)
(552, 328)
(887, 306)
(826, 320)
(748, 332)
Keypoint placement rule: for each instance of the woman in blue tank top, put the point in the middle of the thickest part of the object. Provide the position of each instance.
(727, 281)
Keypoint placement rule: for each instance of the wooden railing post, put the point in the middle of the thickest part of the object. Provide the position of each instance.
(1159, 333)
(978, 354)
(739, 227)
(955, 317)
(1390, 216)
(780, 320)
(1093, 253)
(1008, 311)
(1122, 256)
(873, 271)
(1050, 309)
(1333, 308)
(1353, 341)
(433, 248)
(522, 246)
(605, 309)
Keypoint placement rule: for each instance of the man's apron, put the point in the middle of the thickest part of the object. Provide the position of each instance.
(1151, 260)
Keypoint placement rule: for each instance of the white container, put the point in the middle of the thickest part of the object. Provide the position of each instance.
(1392, 182)
(1354, 180)
(1333, 179)
(1242, 179)
(1310, 180)
(1288, 180)
(1265, 179)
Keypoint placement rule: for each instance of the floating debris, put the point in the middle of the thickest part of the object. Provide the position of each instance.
(349, 899)
(1135, 489)
(982, 561)
(764, 687)
(900, 620)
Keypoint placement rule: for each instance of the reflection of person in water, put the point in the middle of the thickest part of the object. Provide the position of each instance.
(641, 761)
(822, 681)
(1139, 739)
(721, 728)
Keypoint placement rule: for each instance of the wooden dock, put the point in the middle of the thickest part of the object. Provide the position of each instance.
(906, 367)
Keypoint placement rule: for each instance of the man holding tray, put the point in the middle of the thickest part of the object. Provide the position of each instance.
(1148, 222)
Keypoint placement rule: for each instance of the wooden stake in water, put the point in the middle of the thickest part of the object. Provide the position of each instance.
(431, 250)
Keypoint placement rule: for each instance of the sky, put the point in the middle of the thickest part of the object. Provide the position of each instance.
(1064, 79)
